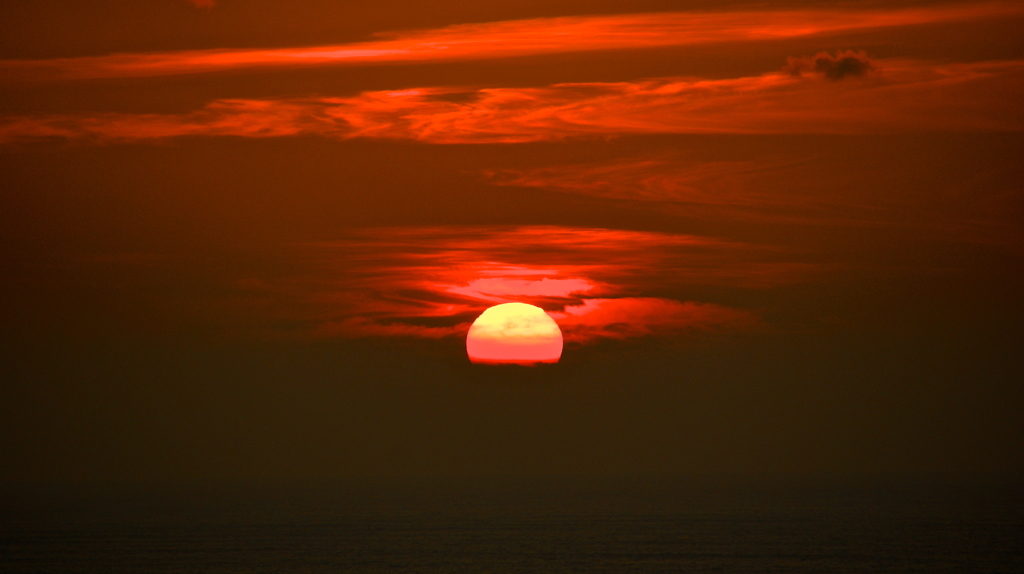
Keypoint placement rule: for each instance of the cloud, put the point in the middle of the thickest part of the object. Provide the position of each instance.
(744, 190)
(432, 282)
(630, 317)
(363, 327)
(514, 38)
(661, 179)
(499, 289)
(900, 96)
(842, 65)
(591, 321)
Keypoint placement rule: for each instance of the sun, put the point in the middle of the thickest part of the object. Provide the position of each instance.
(514, 333)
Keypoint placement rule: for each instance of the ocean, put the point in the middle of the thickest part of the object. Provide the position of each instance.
(505, 526)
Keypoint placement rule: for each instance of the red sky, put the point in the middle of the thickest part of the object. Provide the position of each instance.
(535, 36)
(668, 180)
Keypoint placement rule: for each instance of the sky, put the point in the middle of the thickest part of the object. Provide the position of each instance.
(246, 239)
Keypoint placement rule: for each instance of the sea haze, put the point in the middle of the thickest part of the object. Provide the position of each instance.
(490, 526)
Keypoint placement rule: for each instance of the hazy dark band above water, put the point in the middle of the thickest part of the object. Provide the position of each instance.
(434, 526)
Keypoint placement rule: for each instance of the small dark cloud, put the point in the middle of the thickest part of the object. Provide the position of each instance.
(842, 65)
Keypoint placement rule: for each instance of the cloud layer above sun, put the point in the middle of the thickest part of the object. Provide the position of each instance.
(842, 94)
(598, 284)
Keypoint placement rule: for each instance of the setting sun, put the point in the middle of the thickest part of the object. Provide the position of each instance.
(514, 333)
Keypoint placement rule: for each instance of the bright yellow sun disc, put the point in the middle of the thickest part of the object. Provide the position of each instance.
(514, 333)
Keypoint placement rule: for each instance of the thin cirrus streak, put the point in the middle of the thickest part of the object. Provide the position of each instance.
(514, 38)
(745, 190)
(883, 96)
(809, 190)
(628, 317)
(664, 179)
(598, 284)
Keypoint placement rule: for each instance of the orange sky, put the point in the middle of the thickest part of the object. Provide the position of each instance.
(665, 179)
(522, 38)
(897, 97)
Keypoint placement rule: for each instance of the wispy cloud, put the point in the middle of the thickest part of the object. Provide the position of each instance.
(895, 96)
(662, 179)
(744, 190)
(630, 317)
(515, 38)
(597, 283)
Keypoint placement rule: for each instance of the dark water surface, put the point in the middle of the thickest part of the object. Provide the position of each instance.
(532, 527)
